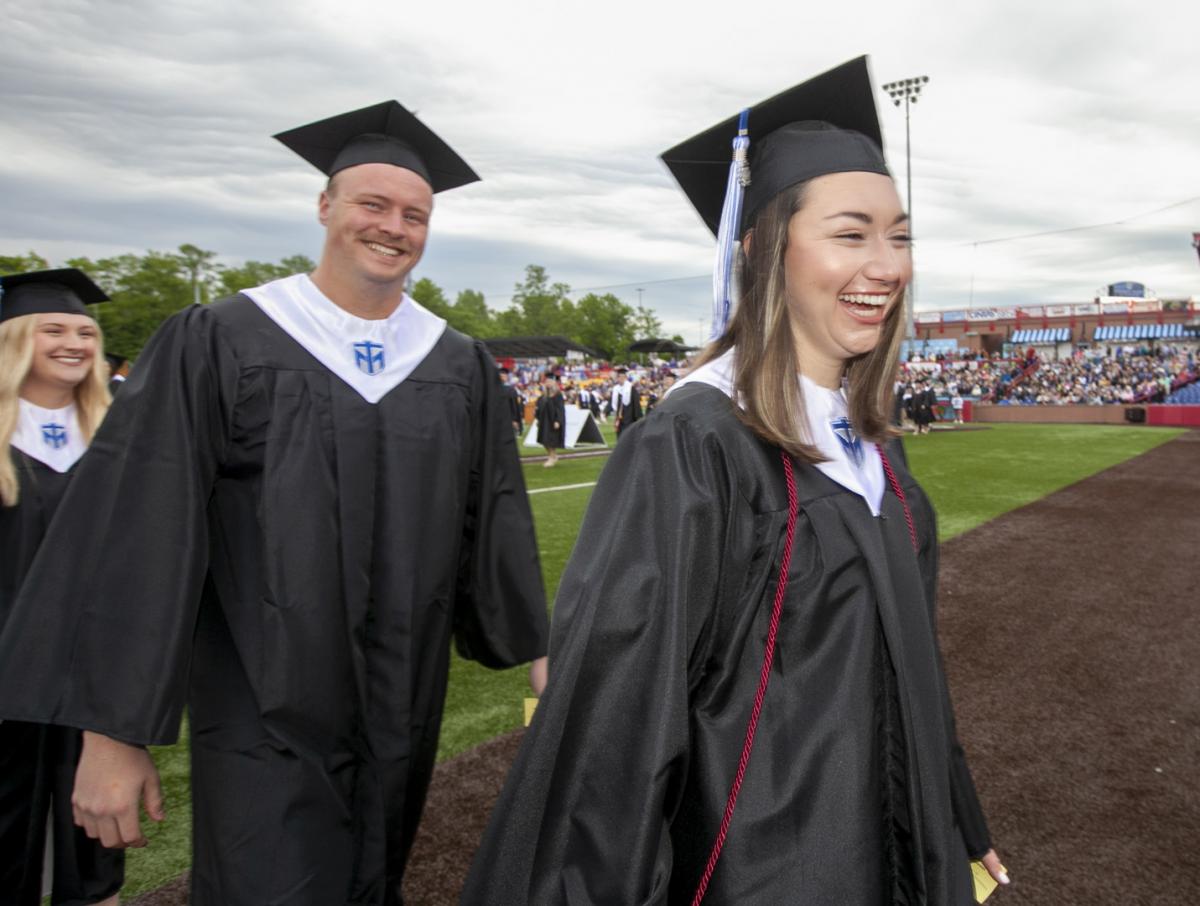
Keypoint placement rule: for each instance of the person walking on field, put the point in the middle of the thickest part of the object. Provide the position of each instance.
(53, 396)
(748, 701)
(626, 402)
(551, 415)
(320, 489)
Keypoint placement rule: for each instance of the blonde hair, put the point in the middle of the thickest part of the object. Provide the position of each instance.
(765, 371)
(16, 356)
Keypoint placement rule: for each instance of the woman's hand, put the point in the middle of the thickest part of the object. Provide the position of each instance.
(991, 862)
(539, 672)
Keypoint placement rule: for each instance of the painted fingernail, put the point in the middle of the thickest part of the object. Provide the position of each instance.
(1004, 877)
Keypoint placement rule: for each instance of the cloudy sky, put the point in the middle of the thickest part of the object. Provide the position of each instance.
(129, 125)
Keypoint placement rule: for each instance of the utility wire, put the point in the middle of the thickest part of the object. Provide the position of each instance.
(1078, 229)
(1058, 232)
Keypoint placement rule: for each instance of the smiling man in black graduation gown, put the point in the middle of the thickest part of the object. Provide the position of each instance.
(318, 485)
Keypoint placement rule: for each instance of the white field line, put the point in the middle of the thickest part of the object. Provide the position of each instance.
(563, 487)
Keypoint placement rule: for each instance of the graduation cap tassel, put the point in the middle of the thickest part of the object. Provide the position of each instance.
(727, 234)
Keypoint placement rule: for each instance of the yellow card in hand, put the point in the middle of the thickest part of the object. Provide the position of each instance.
(985, 884)
(530, 706)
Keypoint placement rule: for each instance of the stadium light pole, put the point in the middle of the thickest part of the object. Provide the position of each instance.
(908, 90)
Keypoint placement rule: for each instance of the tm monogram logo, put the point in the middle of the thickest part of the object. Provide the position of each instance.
(368, 356)
(54, 436)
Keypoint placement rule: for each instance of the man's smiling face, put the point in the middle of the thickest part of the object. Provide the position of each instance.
(376, 219)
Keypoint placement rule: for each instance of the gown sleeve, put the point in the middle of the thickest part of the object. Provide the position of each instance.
(967, 808)
(500, 612)
(100, 637)
(585, 815)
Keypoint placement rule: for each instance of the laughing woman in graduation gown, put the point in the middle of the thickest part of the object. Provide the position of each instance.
(52, 398)
(754, 584)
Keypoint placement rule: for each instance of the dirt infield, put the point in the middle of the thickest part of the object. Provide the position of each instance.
(1071, 629)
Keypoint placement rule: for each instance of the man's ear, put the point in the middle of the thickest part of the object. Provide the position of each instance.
(323, 203)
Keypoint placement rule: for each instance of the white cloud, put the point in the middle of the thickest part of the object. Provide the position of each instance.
(134, 125)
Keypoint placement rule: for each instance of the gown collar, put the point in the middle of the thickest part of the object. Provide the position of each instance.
(51, 436)
(849, 461)
(373, 357)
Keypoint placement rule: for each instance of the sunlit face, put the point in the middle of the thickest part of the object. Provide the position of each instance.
(376, 219)
(847, 262)
(64, 350)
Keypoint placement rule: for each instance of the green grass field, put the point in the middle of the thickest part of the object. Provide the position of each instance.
(972, 476)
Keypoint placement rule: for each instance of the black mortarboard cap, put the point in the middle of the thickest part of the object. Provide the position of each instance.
(825, 125)
(382, 134)
(67, 290)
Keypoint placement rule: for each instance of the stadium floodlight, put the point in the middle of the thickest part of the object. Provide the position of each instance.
(908, 90)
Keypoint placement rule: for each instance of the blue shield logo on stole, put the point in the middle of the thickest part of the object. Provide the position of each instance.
(844, 432)
(54, 436)
(368, 357)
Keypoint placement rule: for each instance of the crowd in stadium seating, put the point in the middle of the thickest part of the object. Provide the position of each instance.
(1093, 376)
(1098, 375)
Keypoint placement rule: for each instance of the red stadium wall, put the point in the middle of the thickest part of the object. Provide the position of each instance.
(1100, 415)
(1176, 416)
(1179, 416)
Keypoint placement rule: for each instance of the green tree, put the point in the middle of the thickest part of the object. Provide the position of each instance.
(201, 268)
(297, 264)
(510, 323)
(232, 280)
(431, 296)
(145, 291)
(604, 323)
(20, 264)
(472, 316)
(645, 324)
(544, 306)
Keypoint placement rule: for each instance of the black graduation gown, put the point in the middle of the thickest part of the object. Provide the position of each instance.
(926, 400)
(292, 563)
(626, 415)
(515, 406)
(857, 791)
(37, 762)
(552, 409)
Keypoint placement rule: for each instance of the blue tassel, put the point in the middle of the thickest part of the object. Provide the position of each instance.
(724, 289)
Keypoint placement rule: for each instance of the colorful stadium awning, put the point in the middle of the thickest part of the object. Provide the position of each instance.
(1045, 335)
(1141, 332)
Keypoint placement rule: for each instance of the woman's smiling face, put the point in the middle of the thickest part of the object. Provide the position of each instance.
(64, 350)
(847, 262)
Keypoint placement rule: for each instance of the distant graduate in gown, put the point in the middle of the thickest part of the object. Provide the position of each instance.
(52, 398)
(551, 418)
(626, 402)
(754, 584)
(118, 371)
(319, 487)
(516, 407)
